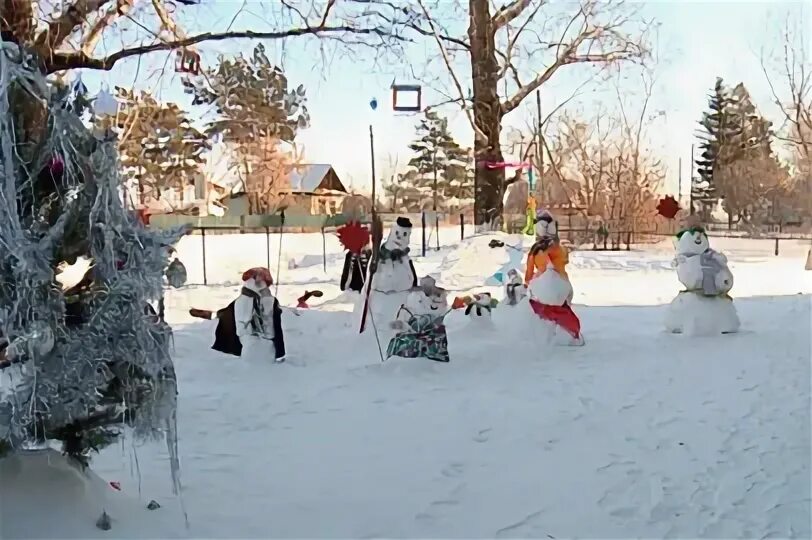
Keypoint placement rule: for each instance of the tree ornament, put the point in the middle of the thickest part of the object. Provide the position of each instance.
(105, 104)
(668, 207)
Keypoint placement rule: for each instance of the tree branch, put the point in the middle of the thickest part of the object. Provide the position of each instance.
(509, 12)
(60, 61)
(478, 133)
(63, 26)
(89, 41)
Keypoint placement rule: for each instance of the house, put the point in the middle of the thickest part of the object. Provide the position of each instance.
(312, 189)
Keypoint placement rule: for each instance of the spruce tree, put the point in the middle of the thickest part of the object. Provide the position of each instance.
(436, 151)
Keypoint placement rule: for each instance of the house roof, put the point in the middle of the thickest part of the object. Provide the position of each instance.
(307, 178)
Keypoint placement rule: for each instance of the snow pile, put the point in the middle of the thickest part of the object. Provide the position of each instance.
(43, 494)
(696, 315)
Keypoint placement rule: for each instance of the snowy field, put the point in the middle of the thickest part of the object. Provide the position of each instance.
(637, 434)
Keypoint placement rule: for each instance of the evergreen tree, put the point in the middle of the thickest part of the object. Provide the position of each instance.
(80, 358)
(439, 158)
(720, 130)
(158, 145)
(255, 111)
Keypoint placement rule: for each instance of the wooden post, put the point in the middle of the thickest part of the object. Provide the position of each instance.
(462, 226)
(776, 246)
(203, 239)
(423, 225)
(437, 228)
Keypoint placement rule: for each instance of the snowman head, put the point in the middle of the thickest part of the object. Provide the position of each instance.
(400, 234)
(418, 303)
(257, 279)
(546, 226)
(692, 241)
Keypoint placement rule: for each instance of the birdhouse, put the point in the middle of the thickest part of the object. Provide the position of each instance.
(188, 61)
(407, 98)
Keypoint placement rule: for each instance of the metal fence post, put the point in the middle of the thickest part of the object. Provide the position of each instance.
(776, 246)
(462, 226)
(423, 224)
(203, 239)
(324, 249)
(437, 228)
(268, 246)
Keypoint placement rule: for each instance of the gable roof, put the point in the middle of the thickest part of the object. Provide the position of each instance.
(307, 178)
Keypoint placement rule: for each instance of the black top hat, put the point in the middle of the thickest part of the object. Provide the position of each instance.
(404, 223)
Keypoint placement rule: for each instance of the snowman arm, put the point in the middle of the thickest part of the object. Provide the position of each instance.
(414, 273)
(720, 257)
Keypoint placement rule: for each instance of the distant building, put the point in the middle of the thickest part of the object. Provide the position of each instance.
(313, 189)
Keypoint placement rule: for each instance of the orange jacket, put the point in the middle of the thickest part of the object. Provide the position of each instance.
(536, 265)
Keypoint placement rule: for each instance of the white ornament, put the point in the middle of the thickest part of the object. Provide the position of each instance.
(105, 104)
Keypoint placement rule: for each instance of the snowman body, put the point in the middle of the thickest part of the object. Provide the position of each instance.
(704, 308)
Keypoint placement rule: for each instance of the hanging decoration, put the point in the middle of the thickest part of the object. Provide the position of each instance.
(668, 207)
(188, 61)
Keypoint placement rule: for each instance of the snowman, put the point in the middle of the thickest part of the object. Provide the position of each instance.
(515, 289)
(479, 307)
(419, 324)
(704, 307)
(393, 279)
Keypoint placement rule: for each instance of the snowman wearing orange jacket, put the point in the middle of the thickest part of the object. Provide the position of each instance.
(548, 283)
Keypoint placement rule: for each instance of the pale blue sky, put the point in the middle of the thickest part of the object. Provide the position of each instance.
(698, 42)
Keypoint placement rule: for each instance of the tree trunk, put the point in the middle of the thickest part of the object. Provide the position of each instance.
(487, 113)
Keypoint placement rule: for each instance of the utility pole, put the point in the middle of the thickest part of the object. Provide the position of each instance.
(539, 144)
(691, 185)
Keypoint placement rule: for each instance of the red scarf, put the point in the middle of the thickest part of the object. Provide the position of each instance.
(563, 316)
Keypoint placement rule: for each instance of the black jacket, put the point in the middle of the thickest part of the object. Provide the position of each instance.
(354, 272)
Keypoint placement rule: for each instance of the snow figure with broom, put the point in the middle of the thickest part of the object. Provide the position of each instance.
(420, 325)
(392, 279)
(549, 285)
(355, 239)
(704, 307)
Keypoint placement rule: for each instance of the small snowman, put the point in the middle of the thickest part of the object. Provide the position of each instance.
(419, 325)
(704, 307)
(480, 306)
(515, 289)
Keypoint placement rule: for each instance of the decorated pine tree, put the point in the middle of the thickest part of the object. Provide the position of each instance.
(83, 357)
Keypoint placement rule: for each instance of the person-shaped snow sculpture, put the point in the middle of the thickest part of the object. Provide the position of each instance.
(515, 289)
(355, 239)
(251, 325)
(704, 307)
(548, 283)
(420, 325)
(393, 278)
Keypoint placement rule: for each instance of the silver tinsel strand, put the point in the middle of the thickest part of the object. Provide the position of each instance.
(63, 373)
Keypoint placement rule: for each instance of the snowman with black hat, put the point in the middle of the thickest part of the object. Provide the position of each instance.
(394, 277)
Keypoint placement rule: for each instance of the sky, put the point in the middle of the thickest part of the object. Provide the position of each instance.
(697, 41)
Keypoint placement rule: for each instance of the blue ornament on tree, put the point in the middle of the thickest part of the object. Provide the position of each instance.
(373, 104)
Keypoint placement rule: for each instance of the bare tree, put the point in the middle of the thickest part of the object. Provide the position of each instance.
(789, 75)
(66, 34)
(500, 44)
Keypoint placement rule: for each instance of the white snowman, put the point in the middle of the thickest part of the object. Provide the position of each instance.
(704, 307)
(515, 289)
(393, 280)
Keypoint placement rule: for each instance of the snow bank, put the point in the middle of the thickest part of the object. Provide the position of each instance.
(45, 495)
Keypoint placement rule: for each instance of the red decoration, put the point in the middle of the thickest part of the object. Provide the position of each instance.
(353, 236)
(668, 207)
(258, 272)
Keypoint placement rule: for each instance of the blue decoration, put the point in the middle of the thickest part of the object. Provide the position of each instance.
(499, 277)
(373, 104)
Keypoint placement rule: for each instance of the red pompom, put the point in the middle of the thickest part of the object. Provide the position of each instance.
(258, 272)
(353, 236)
(668, 207)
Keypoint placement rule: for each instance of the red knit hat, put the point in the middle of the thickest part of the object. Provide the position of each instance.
(258, 272)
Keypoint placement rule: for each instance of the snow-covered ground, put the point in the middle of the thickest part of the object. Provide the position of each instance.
(637, 434)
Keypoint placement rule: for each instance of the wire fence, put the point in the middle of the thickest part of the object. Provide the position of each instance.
(256, 240)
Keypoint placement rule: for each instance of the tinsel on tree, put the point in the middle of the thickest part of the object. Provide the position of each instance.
(80, 360)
